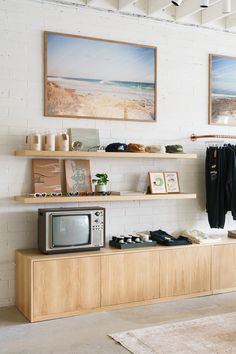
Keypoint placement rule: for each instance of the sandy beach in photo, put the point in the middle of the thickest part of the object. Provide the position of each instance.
(223, 109)
(223, 90)
(97, 98)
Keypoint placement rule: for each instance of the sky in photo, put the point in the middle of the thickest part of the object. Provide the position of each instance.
(223, 75)
(92, 59)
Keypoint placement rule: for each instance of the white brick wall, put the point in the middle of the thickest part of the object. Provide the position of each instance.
(182, 110)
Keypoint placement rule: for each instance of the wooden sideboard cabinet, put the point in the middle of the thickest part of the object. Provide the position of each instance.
(224, 268)
(129, 277)
(57, 287)
(53, 286)
(185, 271)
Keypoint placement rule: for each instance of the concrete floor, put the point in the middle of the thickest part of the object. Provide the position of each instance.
(87, 334)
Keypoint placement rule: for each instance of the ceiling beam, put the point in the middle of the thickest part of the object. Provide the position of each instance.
(124, 3)
(230, 21)
(214, 12)
(157, 5)
(189, 8)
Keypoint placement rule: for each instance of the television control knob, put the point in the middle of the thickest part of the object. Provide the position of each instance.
(97, 213)
(96, 220)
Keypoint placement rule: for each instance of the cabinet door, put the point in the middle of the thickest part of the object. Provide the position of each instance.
(224, 267)
(129, 277)
(185, 271)
(66, 285)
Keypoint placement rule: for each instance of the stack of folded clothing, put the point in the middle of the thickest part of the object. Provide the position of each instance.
(232, 233)
(163, 238)
(197, 236)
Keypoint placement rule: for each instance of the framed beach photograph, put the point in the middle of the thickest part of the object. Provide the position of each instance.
(222, 90)
(157, 183)
(172, 182)
(96, 78)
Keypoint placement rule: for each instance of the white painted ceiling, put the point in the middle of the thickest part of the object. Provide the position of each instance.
(189, 12)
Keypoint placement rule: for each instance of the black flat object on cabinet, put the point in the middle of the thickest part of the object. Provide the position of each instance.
(163, 238)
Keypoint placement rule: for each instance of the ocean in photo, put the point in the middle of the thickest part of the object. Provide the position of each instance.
(122, 89)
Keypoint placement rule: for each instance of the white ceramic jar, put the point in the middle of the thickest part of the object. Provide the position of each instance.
(35, 141)
(49, 141)
(62, 142)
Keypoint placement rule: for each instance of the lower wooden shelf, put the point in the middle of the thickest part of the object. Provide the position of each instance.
(100, 198)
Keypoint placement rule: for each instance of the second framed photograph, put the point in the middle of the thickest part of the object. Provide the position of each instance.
(157, 183)
(172, 182)
(222, 91)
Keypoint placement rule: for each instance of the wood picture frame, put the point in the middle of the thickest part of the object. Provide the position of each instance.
(172, 182)
(78, 176)
(86, 77)
(222, 94)
(46, 175)
(157, 183)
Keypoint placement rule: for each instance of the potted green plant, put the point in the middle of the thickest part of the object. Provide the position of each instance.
(101, 180)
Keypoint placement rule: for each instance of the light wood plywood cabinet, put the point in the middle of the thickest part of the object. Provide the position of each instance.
(129, 278)
(66, 285)
(185, 271)
(58, 287)
(224, 268)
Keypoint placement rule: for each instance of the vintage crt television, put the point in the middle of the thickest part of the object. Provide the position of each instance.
(71, 229)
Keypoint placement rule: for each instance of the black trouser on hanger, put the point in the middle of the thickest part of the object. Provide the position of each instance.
(215, 184)
(230, 186)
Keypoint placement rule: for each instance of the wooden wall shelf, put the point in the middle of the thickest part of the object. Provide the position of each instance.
(107, 198)
(88, 154)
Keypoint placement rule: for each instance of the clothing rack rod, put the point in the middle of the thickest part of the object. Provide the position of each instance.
(194, 137)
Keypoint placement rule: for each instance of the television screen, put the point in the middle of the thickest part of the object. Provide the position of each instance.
(70, 230)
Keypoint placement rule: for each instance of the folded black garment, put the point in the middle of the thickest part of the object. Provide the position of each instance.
(116, 147)
(163, 238)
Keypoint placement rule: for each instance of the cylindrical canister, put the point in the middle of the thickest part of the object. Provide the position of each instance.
(49, 141)
(35, 141)
(62, 142)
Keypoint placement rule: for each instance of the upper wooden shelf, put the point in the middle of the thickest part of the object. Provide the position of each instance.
(101, 198)
(74, 154)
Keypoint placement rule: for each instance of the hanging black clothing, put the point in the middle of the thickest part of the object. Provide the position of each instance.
(212, 186)
(231, 180)
(220, 173)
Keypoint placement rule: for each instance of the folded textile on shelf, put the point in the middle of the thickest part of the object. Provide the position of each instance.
(197, 236)
(163, 238)
(232, 233)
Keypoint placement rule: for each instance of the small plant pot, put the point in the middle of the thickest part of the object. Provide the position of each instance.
(100, 188)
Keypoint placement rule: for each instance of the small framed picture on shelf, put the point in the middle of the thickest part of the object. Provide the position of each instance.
(157, 183)
(78, 176)
(172, 182)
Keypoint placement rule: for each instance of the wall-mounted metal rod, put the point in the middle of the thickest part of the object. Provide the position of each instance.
(194, 137)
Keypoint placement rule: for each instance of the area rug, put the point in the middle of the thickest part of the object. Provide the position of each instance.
(207, 335)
